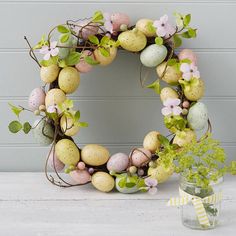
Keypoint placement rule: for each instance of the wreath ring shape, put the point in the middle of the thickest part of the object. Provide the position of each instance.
(81, 45)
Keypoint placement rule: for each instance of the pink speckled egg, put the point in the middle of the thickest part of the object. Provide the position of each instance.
(80, 176)
(118, 162)
(36, 98)
(188, 54)
(119, 19)
(91, 29)
(59, 166)
(139, 158)
(83, 66)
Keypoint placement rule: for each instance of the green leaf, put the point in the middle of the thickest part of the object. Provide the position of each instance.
(150, 27)
(91, 61)
(51, 61)
(186, 60)
(52, 115)
(104, 52)
(192, 32)
(41, 43)
(172, 62)
(163, 140)
(62, 63)
(97, 16)
(64, 38)
(73, 58)
(155, 86)
(62, 29)
(83, 124)
(93, 39)
(15, 126)
(77, 116)
(122, 182)
(177, 41)
(16, 110)
(187, 20)
(159, 40)
(26, 127)
(104, 41)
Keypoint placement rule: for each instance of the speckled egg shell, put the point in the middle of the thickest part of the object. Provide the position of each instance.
(143, 26)
(80, 176)
(188, 54)
(153, 55)
(54, 97)
(197, 116)
(83, 66)
(41, 129)
(118, 162)
(118, 19)
(59, 166)
(103, 182)
(139, 158)
(67, 152)
(36, 98)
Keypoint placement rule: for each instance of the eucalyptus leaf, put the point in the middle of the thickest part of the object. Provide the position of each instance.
(27, 127)
(15, 126)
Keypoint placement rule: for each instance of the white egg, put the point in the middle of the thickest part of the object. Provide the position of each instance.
(43, 132)
(118, 162)
(153, 55)
(197, 116)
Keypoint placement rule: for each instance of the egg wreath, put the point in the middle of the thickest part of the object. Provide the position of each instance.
(80, 46)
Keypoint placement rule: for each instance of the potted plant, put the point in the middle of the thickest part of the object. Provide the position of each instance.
(201, 165)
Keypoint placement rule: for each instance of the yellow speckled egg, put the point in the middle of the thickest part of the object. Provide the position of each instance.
(105, 60)
(132, 40)
(144, 26)
(151, 141)
(103, 182)
(69, 79)
(95, 155)
(68, 127)
(54, 97)
(49, 74)
(67, 152)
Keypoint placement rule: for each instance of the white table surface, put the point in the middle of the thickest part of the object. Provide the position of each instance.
(30, 206)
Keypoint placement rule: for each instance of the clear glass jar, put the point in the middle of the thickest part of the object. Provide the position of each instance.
(212, 210)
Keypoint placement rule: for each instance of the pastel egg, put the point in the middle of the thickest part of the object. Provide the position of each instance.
(68, 126)
(53, 161)
(118, 162)
(36, 98)
(119, 19)
(132, 40)
(95, 155)
(80, 176)
(153, 55)
(54, 97)
(140, 157)
(67, 152)
(188, 54)
(69, 79)
(43, 132)
(151, 141)
(50, 73)
(144, 26)
(103, 181)
(83, 30)
(105, 60)
(83, 66)
(197, 116)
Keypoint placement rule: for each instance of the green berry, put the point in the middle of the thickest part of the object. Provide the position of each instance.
(185, 111)
(37, 112)
(123, 27)
(67, 170)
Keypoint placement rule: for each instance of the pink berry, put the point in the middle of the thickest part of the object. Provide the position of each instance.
(186, 104)
(81, 165)
(140, 172)
(91, 170)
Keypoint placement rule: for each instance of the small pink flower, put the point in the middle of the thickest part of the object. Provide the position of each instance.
(171, 107)
(151, 185)
(108, 23)
(48, 51)
(189, 71)
(164, 28)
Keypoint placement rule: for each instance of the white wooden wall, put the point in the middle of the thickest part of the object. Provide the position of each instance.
(118, 110)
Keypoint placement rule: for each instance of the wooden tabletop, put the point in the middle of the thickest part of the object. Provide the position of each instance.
(30, 206)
